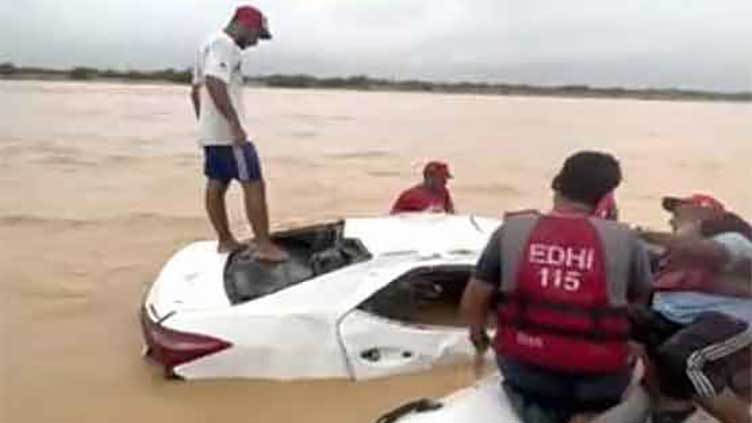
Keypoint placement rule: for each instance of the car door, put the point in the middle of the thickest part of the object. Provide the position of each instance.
(384, 335)
(376, 346)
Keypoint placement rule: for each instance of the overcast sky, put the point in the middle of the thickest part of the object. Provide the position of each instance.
(703, 44)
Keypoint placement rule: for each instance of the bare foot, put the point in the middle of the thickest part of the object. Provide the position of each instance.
(230, 246)
(269, 252)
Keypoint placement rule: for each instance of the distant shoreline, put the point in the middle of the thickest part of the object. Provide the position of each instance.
(363, 83)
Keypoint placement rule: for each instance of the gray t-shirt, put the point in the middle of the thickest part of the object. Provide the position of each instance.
(489, 266)
(684, 307)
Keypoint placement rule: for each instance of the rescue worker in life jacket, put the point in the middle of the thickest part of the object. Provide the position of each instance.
(563, 281)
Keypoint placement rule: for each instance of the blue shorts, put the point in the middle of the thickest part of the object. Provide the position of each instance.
(224, 163)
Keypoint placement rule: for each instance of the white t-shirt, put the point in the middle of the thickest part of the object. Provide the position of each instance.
(220, 58)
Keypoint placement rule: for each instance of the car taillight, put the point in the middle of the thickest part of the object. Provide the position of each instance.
(173, 348)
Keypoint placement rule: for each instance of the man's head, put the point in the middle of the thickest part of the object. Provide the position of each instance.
(248, 25)
(687, 213)
(587, 177)
(436, 174)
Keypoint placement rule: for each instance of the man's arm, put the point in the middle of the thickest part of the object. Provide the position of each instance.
(219, 95)
(743, 269)
(661, 239)
(196, 99)
(450, 204)
(475, 306)
(731, 253)
(478, 297)
(737, 268)
(640, 287)
(737, 280)
(689, 248)
(706, 250)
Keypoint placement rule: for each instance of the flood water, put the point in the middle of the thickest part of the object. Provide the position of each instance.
(100, 183)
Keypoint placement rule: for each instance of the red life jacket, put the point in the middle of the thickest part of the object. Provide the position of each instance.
(558, 310)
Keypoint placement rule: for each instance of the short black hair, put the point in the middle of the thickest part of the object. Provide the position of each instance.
(587, 176)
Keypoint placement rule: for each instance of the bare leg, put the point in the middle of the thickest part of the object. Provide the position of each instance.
(254, 194)
(215, 207)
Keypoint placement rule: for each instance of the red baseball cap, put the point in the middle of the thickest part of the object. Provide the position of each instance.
(702, 201)
(251, 17)
(436, 168)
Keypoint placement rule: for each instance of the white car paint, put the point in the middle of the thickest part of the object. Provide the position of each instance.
(402, 348)
(487, 402)
(483, 402)
(314, 329)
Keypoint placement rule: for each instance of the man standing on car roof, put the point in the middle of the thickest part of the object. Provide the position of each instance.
(563, 281)
(217, 95)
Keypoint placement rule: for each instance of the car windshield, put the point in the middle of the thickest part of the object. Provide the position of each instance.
(314, 251)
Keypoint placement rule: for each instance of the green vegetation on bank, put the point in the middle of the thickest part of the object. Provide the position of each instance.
(87, 74)
(366, 83)
(361, 82)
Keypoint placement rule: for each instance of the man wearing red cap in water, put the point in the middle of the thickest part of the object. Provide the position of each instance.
(431, 195)
(229, 152)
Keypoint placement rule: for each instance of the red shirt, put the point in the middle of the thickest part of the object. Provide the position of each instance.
(419, 199)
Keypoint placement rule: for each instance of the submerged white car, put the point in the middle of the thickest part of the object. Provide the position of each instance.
(361, 298)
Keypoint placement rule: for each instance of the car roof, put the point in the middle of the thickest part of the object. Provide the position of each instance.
(398, 244)
(422, 233)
